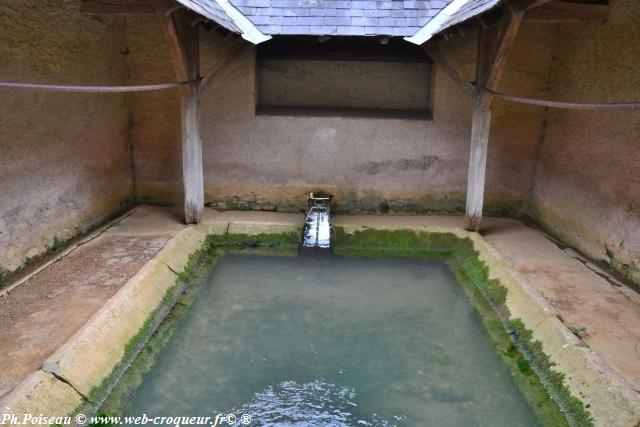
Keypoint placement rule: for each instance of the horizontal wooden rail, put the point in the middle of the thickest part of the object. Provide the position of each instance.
(91, 89)
(568, 105)
(165, 86)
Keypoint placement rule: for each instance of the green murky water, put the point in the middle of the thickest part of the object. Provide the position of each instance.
(343, 341)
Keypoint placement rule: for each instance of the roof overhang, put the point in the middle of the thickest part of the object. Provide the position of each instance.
(454, 13)
(226, 15)
(249, 31)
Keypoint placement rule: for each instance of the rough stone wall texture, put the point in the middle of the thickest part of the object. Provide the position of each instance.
(369, 165)
(155, 116)
(65, 162)
(587, 183)
(73, 158)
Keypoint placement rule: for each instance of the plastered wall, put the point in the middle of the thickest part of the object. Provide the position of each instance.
(65, 162)
(586, 188)
(70, 160)
(369, 165)
(155, 116)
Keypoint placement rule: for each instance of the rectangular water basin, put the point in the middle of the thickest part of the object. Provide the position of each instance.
(335, 341)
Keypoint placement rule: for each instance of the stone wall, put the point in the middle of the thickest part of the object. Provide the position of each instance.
(65, 156)
(75, 159)
(587, 182)
(370, 165)
(155, 116)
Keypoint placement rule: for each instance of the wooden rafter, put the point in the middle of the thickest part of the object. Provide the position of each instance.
(116, 7)
(183, 43)
(443, 63)
(232, 53)
(486, 51)
(493, 63)
(558, 11)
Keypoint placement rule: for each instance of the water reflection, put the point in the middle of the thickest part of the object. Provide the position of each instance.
(318, 403)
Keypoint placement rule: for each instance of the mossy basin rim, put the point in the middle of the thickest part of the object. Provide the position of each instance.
(508, 336)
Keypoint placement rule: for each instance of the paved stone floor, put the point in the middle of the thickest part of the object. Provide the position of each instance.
(604, 312)
(38, 316)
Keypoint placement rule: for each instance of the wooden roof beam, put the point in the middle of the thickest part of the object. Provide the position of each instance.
(116, 7)
(182, 41)
(492, 52)
(559, 11)
(443, 63)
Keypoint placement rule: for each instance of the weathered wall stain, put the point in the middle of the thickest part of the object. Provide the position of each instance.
(421, 164)
(66, 174)
(279, 158)
(65, 160)
(586, 189)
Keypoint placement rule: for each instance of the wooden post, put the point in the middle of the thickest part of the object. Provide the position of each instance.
(443, 63)
(185, 55)
(192, 173)
(489, 67)
(477, 164)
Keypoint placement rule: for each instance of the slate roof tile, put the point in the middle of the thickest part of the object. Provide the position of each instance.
(212, 10)
(338, 17)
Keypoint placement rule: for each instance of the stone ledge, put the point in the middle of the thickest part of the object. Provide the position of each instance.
(93, 352)
(612, 401)
(41, 393)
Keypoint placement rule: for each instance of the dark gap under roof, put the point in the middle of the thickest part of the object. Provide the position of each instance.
(341, 48)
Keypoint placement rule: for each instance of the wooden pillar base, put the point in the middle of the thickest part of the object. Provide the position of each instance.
(472, 223)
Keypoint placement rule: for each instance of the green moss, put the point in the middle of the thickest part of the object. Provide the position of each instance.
(121, 394)
(131, 348)
(432, 245)
(242, 241)
(5, 276)
(530, 385)
(525, 367)
(196, 268)
(627, 272)
(57, 244)
(576, 413)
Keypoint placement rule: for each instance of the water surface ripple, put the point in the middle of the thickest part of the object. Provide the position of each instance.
(343, 341)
